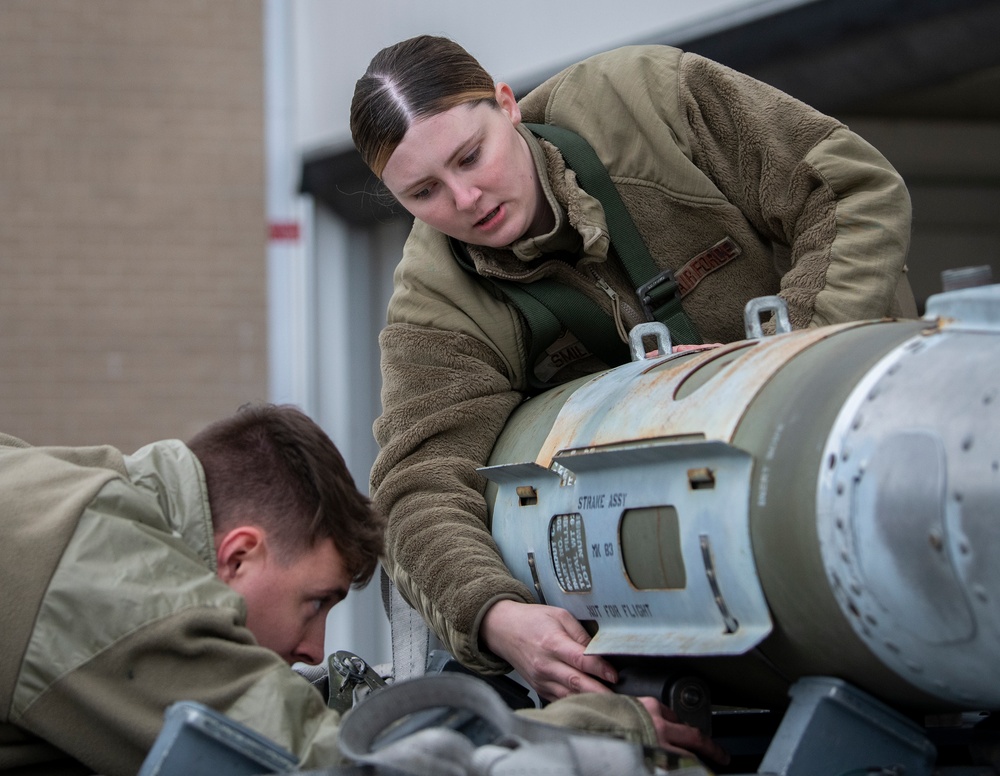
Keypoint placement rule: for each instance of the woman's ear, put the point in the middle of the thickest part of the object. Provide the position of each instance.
(237, 550)
(508, 103)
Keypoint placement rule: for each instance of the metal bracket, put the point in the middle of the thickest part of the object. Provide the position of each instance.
(574, 534)
(655, 329)
(763, 305)
(348, 672)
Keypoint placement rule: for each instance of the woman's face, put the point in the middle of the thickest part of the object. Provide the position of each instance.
(467, 172)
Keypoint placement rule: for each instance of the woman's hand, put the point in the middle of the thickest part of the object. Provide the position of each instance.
(545, 645)
(690, 348)
(680, 738)
(684, 349)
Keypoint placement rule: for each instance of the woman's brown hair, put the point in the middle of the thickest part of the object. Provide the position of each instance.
(408, 81)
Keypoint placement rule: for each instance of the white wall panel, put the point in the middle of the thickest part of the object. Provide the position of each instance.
(353, 281)
(516, 40)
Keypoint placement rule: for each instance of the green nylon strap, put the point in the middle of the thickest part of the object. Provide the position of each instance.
(548, 307)
(657, 289)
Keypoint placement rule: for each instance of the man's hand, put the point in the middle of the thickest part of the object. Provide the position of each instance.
(680, 738)
(545, 645)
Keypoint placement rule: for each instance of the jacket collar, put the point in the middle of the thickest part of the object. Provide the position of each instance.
(172, 473)
(580, 226)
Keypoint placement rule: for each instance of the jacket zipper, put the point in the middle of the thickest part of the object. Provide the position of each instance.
(616, 311)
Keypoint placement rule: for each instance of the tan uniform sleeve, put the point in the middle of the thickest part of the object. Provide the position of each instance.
(445, 401)
(452, 370)
(132, 621)
(620, 716)
(807, 182)
(108, 711)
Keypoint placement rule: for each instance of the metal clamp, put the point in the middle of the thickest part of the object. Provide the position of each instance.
(763, 305)
(347, 673)
(654, 329)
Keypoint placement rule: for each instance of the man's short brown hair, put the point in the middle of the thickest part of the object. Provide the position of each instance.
(272, 466)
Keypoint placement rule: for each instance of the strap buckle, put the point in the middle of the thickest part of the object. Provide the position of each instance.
(658, 291)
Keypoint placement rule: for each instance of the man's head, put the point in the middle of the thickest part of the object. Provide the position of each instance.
(292, 532)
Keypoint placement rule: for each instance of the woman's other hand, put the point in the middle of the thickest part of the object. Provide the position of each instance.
(545, 645)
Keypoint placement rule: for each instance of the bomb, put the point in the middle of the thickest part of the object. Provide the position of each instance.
(823, 502)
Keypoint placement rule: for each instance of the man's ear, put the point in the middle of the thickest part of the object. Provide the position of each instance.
(508, 103)
(236, 549)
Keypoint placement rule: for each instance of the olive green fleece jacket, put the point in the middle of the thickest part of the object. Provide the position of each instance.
(699, 154)
(112, 610)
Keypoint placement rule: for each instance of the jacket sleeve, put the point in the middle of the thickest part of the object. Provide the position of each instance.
(107, 711)
(131, 621)
(446, 397)
(807, 182)
(606, 714)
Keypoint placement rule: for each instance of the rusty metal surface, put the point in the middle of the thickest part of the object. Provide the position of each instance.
(635, 394)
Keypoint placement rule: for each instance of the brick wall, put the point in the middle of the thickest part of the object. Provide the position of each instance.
(132, 226)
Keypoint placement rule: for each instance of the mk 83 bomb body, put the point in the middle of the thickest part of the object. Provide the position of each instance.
(820, 502)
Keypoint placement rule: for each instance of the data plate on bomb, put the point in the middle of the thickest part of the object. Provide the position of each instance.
(650, 542)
